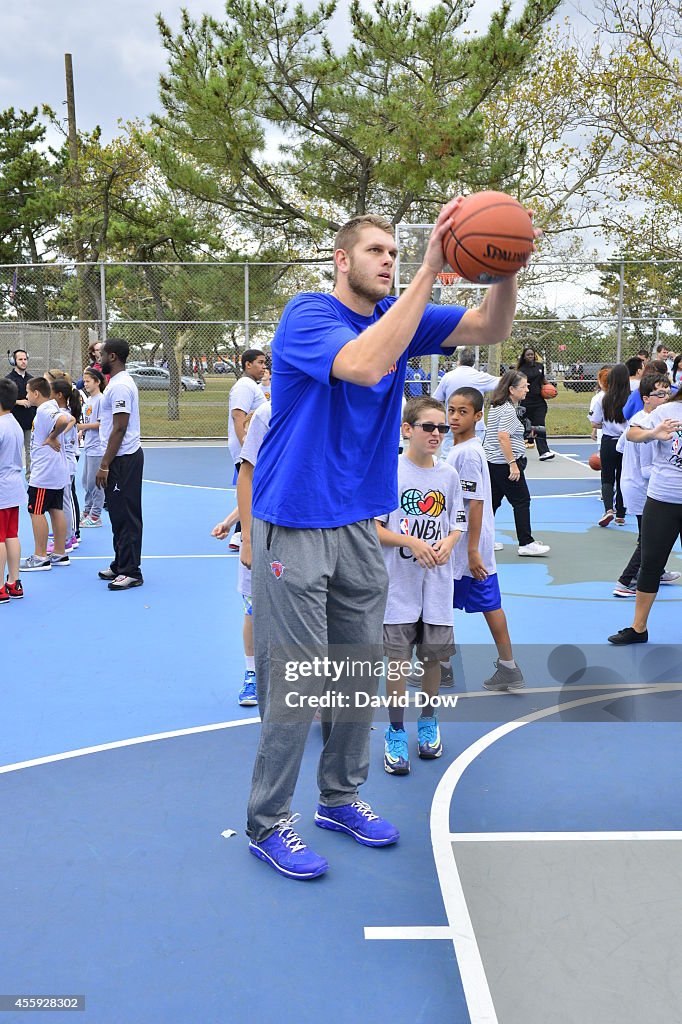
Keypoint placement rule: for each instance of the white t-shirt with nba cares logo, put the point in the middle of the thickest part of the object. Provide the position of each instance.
(92, 441)
(665, 482)
(430, 508)
(120, 395)
(49, 469)
(468, 458)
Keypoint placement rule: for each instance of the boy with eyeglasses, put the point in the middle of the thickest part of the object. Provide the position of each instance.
(654, 389)
(417, 540)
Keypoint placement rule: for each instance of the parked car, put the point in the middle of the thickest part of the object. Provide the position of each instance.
(224, 366)
(154, 378)
(582, 377)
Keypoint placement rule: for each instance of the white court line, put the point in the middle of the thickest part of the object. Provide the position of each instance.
(574, 494)
(118, 744)
(572, 458)
(195, 487)
(410, 932)
(147, 558)
(560, 837)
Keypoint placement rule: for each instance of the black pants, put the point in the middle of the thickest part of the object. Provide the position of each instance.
(76, 506)
(631, 570)
(537, 414)
(661, 526)
(124, 502)
(611, 462)
(517, 494)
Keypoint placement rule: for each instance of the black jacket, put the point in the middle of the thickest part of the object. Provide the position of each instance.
(24, 417)
(535, 372)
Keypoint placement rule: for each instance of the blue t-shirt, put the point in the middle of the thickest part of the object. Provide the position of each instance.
(635, 404)
(330, 456)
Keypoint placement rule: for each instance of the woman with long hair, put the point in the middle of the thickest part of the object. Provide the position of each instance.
(505, 451)
(607, 413)
(530, 364)
(662, 515)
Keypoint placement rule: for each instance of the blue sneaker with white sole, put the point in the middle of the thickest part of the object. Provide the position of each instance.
(247, 694)
(396, 754)
(286, 852)
(359, 821)
(428, 738)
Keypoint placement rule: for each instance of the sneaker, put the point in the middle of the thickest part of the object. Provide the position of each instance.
(670, 577)
(499, 546)
(428, 738)
(547, 456)
(607, 518)
(107, 574)
(72, 543)
(247, 694)
(505, 678)
(4, 595)
(286, 852)
(396, 754)
(87, 523)
(628, 636)
(621, 591)
(125, 583)
(359, 821)
(530, 444)
(236, 542)
(534, 549)
(447, 677)
(59, 561)
(84, 517)
(50, 545)
(620, 520)
(35, 564)
(15, 590)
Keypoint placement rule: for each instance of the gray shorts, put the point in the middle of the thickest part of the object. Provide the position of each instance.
(433, 643)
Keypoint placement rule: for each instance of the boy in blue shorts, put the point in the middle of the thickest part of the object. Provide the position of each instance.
(417, 540)
(476, 585)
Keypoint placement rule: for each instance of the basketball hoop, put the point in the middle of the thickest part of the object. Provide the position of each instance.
(448, 279)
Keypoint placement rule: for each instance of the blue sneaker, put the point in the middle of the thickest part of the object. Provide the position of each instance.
(247, 694)
(357, 820)
(396, 754)
(286, 852)
(428, 738)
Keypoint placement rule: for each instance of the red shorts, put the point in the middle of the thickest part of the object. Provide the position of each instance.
(9, 523)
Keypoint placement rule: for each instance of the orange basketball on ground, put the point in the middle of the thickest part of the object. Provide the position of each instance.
(548, 390)
(594, 461)
(491, 237)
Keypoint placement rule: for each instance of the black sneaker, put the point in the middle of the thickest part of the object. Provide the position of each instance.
(447, 677)
(629, 636)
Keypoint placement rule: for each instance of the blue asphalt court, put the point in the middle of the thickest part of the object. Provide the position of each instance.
(537, 876)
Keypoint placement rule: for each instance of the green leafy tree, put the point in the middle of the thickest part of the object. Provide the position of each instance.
(395, 123)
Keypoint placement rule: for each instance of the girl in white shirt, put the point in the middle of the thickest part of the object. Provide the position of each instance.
(67, 397)
(608, 414)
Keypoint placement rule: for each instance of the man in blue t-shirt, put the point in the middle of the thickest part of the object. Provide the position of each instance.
(326, 470)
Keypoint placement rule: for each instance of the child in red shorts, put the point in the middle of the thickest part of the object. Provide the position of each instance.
(12, 492)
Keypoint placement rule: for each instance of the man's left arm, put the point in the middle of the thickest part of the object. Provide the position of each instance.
(118, 432)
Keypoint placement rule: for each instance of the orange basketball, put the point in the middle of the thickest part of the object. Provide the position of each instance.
(490, 237)
(594, 461)
(548, 390)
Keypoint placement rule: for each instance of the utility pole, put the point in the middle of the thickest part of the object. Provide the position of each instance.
(79, 249)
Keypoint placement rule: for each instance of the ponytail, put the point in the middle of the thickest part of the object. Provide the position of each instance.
(62, 387)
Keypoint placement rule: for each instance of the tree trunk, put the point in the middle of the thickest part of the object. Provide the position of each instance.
(167, 340)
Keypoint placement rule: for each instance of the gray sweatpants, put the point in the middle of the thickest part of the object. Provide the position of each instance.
(94, 495)
(315, 592)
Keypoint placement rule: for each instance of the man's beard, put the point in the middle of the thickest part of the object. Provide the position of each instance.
(362, 288)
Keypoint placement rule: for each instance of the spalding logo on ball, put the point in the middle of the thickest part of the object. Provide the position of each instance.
(491, 237)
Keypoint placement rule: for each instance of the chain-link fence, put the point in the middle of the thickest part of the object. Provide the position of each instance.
(188, 325)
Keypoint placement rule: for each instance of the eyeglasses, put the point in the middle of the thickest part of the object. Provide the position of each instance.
(429, 428)
(660, 394)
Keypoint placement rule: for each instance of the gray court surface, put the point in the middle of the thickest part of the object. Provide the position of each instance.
(578, 932)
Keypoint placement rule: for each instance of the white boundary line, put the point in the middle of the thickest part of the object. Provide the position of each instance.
(145, 558)
(195, 487)
(410, 932)
(560, 837)
(118, 744)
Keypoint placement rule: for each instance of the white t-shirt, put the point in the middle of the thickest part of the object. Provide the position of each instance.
(430, 508)
(92, 441)
(69, 440)
(634, 383)
(636, 467)
(503, 418)
(465, 377)
(665, 482)
(258, 428)
(49, 468)
(120, 395)
(246, 395)
(468, 459)
(12, 489)
(609, 427)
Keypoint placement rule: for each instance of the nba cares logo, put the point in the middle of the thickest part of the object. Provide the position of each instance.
(277, 569)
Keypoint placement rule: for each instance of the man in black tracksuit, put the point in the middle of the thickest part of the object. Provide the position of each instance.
(23, 413)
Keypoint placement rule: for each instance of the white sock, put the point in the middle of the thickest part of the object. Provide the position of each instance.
(507, 664)
(250, 663)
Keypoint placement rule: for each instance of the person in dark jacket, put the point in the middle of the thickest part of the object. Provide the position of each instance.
(23, 413)
(535, 405)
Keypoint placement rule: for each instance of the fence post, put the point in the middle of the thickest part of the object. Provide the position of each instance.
(619, 334)
(103, 299)
(246, 305)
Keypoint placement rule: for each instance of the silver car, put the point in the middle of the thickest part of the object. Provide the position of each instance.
(155, 378)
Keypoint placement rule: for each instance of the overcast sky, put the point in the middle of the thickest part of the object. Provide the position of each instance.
(116, 51)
